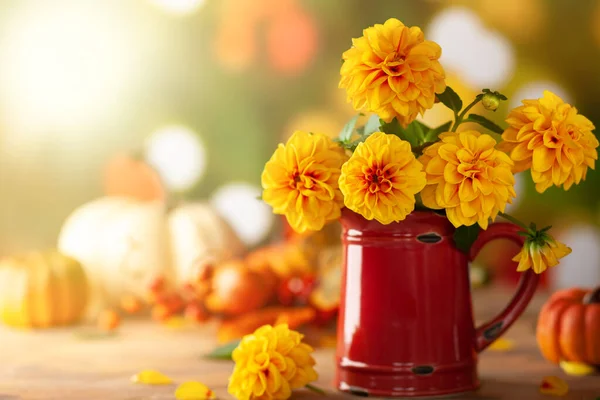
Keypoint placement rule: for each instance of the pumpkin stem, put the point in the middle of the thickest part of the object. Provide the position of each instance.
(592, 297)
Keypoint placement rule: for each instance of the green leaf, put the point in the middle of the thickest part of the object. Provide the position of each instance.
(371, 126)
(417, 130)
(486, 123)
(223, 352)
(433, 134)
(450, 99)
(348, 129)
(315, 389)
(393, 127)
(464, 237)
(412, 134)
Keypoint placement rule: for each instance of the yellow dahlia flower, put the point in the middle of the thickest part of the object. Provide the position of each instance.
(392, 71)
(300, 181)
(270, 363)
(540, 252)
(468, 177)
(550, 137)
(381, 178)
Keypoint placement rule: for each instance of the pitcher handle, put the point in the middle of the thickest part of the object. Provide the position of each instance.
(490, 331)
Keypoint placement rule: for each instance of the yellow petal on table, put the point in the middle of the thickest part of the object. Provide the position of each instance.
(554, 386)
(151, 377)
(502, 344)
(577, 368)
(176, 322)
(194, 391)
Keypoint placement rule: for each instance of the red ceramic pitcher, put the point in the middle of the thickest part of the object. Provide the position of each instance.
(406, 322)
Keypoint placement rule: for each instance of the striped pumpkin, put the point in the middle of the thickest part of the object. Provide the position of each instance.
(41, 290)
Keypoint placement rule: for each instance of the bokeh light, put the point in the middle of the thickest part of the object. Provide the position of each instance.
(522, 20)
(292, 41)
(520, 189)
(178, 7)
(595, 23)
(319, 121)
(535, 90)
(239, 203)
(580, 268)
(481, 57)
(62, 69)
(178, 155)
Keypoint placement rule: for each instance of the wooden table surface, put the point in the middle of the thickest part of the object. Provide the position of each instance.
(57, 364)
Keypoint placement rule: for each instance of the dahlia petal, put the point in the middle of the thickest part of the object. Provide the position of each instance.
(428, 48)
(428, 197)
(543, 158)
(454, 217)
(524, 261)
(466, 192)
(418, 62)
(483, 221)
(467, 209)
(536, 259)
(398, 83)
(504, 175)
(520, 152)
(448, 152)
(451, 174)
(469, 141)
(436, 166)
(542, 186)
(400, 107)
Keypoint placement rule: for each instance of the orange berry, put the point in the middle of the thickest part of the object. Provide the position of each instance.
(174, 303)
(160, 312)
(131, 304)
(195, 312)
(108, 320)
(157, 285)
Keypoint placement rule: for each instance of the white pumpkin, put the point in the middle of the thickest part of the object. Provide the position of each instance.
(124, 243)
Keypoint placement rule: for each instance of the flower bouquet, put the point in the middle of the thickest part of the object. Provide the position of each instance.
(416, 204)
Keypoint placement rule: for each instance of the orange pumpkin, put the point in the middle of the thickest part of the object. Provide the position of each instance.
(568, 327)
(129, 176)
(236, 289)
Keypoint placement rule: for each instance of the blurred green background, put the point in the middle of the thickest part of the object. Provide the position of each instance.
(207, 88)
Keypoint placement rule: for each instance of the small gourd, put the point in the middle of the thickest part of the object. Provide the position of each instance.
(41, 290)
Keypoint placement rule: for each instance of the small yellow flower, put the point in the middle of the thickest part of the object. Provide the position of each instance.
(468, 177)
(392, 71)
(300, 181)
(270, 363)
(550, 137)
(381, 178)
(540, 252)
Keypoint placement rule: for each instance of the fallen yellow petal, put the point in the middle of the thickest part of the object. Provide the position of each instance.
(176, 322)
(577, 368)
(554, 386)
(151, 377)
(502, 344)
(194, 391)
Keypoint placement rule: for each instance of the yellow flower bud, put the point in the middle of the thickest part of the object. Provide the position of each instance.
(490, 101)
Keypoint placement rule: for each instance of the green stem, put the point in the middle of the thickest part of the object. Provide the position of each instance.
(514, 221)
(459, 117)
(316, 389)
